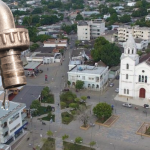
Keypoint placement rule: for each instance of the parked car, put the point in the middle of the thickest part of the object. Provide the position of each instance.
(146, 106)
(65, 90)
(127, 105)
(111, 84)
(117, 90)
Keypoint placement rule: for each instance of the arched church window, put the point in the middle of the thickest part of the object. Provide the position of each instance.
(142, 78)
(124, 91)
(127, 91)
(127, 66)
(139, 78)
(127, 76)
(145, 79)
(128, 51)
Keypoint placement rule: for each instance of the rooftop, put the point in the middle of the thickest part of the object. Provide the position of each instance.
(13, 107)
(86, 69)
(55, 41)
(82, 23)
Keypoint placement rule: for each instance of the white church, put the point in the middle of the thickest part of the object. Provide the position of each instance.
(134, 75)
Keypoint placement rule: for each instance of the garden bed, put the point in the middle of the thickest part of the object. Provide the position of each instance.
(84, 128)
(66, 117)
(49, 144)
(48, 117)
(49, 99)
(72, 146)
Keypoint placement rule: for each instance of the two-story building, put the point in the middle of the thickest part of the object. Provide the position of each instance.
(94, 77)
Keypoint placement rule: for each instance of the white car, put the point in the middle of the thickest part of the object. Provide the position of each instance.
(127, 105)
(117, 90)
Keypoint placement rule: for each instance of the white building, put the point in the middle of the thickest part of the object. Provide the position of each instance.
(94, 77)
(83, 31)
(90, 29)
(106, 16)
(134, 76)
(136, 31)
(140, 44)
(30, 2)
(131, 4)
(12, 121)
(55, 43)
(89, 13)
(147, 18)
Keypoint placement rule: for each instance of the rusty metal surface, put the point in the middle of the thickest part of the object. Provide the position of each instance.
(12, 42)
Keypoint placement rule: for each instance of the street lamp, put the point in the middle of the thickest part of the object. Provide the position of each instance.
(113, 145)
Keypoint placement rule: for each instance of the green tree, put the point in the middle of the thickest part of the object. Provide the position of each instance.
(79, 17)
(35, 104)
(34, 46)
(83, 98)
(102, 111)
(63, 105)
(69, 83)
(125, 18)
(45, 92)
(79, 84)
(92, 143)
(64, 137)
(78, 140)
(77, 100)
(49, 133)
(107, 52)
(73, 105)
(37, 11)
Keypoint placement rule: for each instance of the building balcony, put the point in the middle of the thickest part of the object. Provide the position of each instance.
(3, 130)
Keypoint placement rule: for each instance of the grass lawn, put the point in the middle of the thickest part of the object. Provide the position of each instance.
(72, 146)
(48, 117)
(49, 99)
(49, 144)
(41, 111)
(66, 117)
(148, 131)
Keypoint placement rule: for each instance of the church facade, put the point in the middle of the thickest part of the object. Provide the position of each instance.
(134, 75)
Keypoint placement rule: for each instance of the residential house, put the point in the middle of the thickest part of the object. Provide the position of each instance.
(89, 13)
(131, 4)
(147, 18)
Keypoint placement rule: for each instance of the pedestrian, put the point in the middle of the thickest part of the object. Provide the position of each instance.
(58, 104)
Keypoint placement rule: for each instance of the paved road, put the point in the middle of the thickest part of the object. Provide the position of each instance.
(121, 136)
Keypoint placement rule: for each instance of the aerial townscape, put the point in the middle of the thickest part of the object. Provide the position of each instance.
(74, 74)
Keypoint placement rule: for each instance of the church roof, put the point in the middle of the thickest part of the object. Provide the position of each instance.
(144, 58)
(130, 42)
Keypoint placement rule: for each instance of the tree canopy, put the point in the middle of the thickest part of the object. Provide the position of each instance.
(107, 52)
(79, 84)
(102, 110)
(79, 17)
(35, 104)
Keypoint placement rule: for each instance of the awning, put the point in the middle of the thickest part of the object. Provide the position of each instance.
(32, 65)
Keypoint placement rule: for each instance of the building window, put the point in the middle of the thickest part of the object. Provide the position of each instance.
(127, 91)
(132, 51)
(124, 91)
(145, 79)
(139, 78)
(127, 76)
(127, 66)
(128, 51)
(83, 77)
(142, 78)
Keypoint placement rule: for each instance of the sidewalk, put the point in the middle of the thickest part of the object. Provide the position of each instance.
(135, 101)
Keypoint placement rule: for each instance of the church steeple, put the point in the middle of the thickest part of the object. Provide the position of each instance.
(130, 46)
